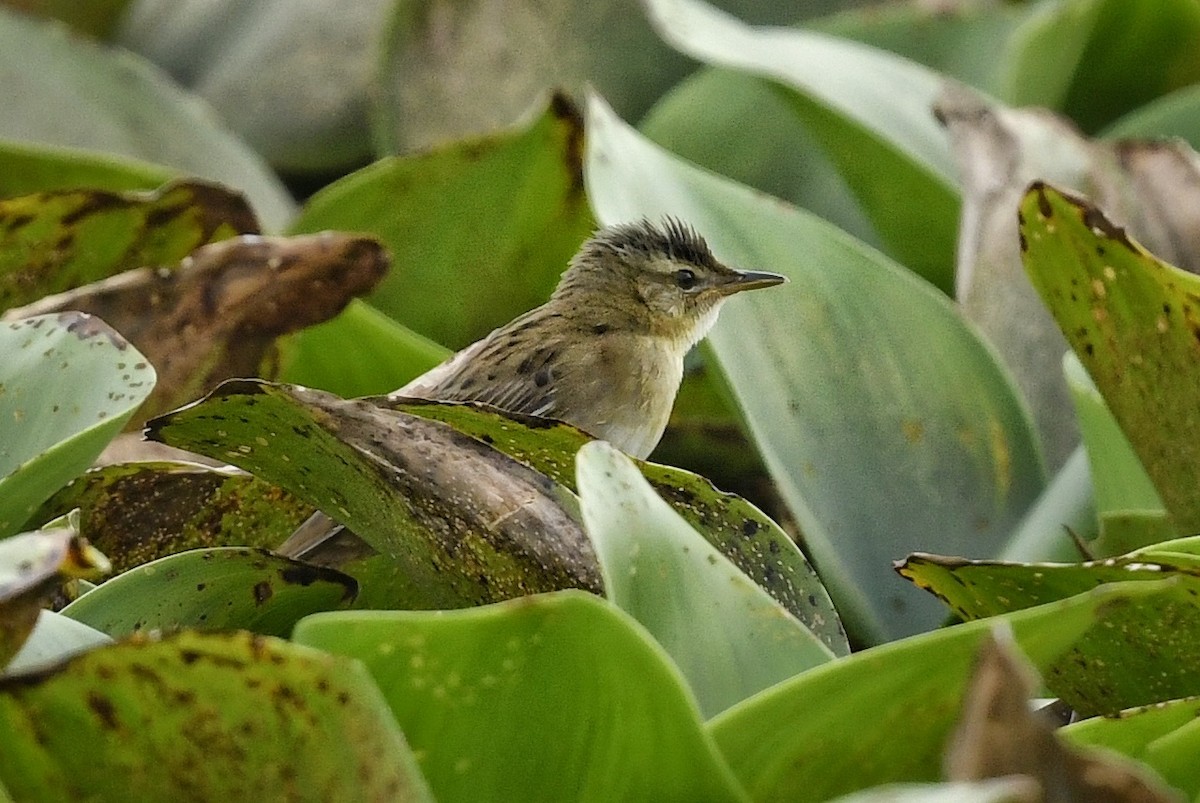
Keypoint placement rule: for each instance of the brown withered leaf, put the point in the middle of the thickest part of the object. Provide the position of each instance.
(999, 736)
(217, 316)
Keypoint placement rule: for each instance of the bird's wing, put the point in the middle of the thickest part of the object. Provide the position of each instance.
(492, 371)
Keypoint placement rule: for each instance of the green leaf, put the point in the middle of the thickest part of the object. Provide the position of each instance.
(1131, 513)
(1165, 737)
(27, 168)
(230, 588)
(386, 354)
(1176, 114)
(58, 89)
(870, 109)
(1068, 501)
(1145, 653)
(203, 716)
(56, 241)
(883, 715)
(552, 697)
(54, 639)
(479, 230)
(740, 531)
(96, 18)
(138, 512)
(463, 523)
(1133, 322)
(725, 633)
(70, 383)
(1097, 59)
(886, 423)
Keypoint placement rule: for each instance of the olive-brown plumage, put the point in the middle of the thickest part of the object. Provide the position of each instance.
(605, 353)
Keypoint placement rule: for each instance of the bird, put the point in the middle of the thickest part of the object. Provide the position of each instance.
(605, 353)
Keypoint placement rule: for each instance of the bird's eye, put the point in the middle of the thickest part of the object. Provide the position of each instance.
(685, 278)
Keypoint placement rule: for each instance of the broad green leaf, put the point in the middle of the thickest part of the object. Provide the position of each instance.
(386, 355)
(54, 639)
(203, 717)
(1176, 114)
(552, 697)
(479, 231)
(27, 168)
(883, 715)
(727, 635)
(70, 383)
(703, 119)
(1067, 501)
(59, 240)
(1132, 321)
(884, 420)
(138, 512)
(229, 588)
(1097, 59)
(1131, 512)
(463, 523)
(58, 89)
(292, 79)
(870, 109)
(740, 531)
(1146, 653)
(1165, 737)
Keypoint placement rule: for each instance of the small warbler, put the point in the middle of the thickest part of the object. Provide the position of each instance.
(605, 353)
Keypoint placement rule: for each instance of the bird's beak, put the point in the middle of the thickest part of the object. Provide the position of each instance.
(751, 280)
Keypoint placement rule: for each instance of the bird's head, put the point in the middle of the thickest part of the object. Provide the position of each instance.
(663, 275)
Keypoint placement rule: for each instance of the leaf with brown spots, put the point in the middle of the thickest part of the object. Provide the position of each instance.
(203, 717)
(743, 533)
(998, 736)
(217, 316)
(461, 523)
(139, 512)
(51, 242)
(228, 588)
(1134, 321)
(1146, 654)
(32, 566)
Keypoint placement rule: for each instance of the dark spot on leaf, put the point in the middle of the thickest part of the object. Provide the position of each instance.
(1042, 201)
(262, 592)
(749, 527)
(542, 377)
(103, 708)
(600, 328)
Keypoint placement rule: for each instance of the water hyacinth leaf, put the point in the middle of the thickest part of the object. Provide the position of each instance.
(479, 231)
(833, 730)
(58, 240)
(293, 80)
(228, 588)
(743, 533)
(138, 512)
(725, 633)
(1132, 320)
(27, 168)
(1097, 59)
(216, 315)
(50, 80)
(480, 694)
(1147, 653)
(1131, 514)
(463, 522)
(54, 639)
(869, 108)
(877, 441)
(316, 355)
(203, 716)
(70, 383)
(1165, 737)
